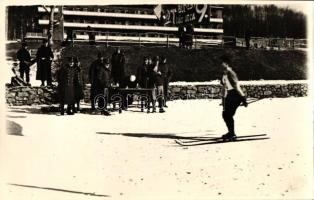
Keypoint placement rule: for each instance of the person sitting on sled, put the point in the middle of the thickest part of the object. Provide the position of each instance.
(233, 96)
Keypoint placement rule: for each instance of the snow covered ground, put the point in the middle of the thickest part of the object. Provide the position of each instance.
(133, 155)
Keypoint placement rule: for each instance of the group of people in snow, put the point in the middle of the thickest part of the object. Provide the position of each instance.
(107, 77)
(105, 73)
(44, 57)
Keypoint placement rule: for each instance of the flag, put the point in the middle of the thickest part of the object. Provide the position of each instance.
(157, 11)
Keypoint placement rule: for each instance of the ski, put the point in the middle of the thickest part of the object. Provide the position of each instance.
(220, 140)
(198, 139)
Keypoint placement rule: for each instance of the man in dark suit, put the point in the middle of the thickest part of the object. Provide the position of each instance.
(100, 79)
(233, 96)
(67, 82)
(118, 67)
(25, 61)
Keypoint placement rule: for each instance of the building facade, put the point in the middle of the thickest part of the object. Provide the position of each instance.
(131, 23)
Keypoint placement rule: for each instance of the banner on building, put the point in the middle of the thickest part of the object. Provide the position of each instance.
(192, 14)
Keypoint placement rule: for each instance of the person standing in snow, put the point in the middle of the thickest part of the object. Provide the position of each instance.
(156, 82)
(167, 74)
(118, 65)
(24, 57)
(142, 78)
(44, 58)
(233, 96)
(79, 89)
(67, 81)
(100, 79)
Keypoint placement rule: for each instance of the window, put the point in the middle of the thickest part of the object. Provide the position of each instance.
(219, 13)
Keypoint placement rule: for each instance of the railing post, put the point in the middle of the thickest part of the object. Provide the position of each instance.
(167, 41)
(195, 41)
(139, 39)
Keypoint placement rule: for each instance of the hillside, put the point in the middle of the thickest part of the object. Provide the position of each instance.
(203, 64)
(199, 64)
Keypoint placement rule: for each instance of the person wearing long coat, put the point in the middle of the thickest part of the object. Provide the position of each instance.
(167, 74)
(79, 87)
(142, 78)
(67, 82)
(117, 64)
(142, 74)
(44, 58)
(100, 79)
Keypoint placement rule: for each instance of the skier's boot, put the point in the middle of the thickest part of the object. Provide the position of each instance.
(229, 137)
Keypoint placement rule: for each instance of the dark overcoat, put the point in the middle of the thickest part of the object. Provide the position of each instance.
(44, 58)
(100, 78)
(142, 76)
(67, 82)
(118, 62)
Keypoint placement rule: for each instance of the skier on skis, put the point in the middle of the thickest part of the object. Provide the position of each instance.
(233, 96)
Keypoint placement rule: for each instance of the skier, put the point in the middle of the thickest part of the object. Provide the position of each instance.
(233, 96)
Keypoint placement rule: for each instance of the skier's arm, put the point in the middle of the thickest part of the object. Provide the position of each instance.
(235, 84)
(239, 90)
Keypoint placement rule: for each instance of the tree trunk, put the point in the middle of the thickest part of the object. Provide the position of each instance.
(51, 22)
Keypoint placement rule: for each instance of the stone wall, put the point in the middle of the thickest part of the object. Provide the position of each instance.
(261, 90)
(24, 95)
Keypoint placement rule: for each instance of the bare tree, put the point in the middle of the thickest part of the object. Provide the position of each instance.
(51, 11)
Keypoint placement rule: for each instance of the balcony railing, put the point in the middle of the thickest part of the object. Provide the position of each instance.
(108, 14)
(267, 43)
(35, 35)
(130, 27)
(141, 38)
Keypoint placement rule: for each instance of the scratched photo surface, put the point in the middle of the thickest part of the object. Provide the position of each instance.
(122, 100)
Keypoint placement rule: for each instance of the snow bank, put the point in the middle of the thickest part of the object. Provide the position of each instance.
(259, 82)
